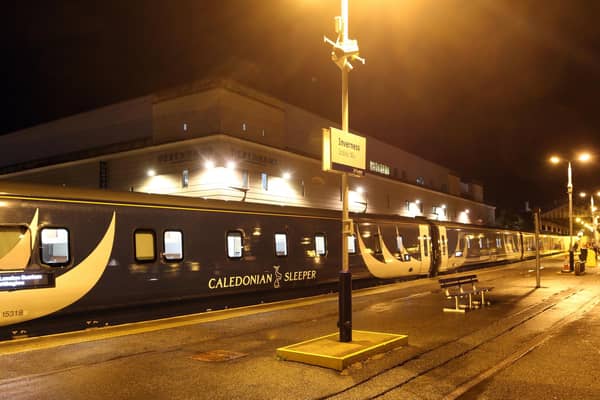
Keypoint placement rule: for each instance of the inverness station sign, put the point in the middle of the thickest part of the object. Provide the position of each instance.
(344, 152)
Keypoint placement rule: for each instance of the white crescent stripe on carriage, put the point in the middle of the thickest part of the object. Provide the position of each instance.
(17, 258)
(388, 269)
(70, 286)
(388, 257)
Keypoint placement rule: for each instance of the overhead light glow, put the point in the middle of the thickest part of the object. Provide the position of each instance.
(555, 159)
(151, 172)
(209, 164)
(584, 157)
(286, 175)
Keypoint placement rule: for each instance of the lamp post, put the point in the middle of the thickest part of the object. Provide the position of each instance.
(592, 214)
(583, 157)
(344, 51)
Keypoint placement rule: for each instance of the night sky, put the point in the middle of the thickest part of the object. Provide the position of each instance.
(488, 88)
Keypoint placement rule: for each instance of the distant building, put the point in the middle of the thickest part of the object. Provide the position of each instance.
(222, 140)
(556, 220)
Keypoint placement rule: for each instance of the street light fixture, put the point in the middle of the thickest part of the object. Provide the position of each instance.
(582, 157)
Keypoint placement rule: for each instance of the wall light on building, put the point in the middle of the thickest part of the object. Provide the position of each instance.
(151, 172)
(463, 217)
(286, 175)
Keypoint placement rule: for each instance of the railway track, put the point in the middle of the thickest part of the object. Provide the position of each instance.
(450, 370)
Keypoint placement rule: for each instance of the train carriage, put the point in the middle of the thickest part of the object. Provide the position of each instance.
(69, 251)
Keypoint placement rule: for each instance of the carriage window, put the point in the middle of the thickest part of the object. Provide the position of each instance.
(320, 244)
(9, 237)
(144, 246)
(399, 243)
(55, 246)
(173, 245)
(235, 248)
(377, 244)
(280, 244)
(425, 246)
(351, 244)
(443, 245)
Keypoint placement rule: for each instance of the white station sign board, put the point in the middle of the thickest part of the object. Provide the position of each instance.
(344, 151)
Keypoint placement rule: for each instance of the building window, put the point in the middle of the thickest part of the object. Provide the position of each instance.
(320, 244)
(173, 245)
(280, 244)
(185, 178)
(235, 244)
(379, 168)
(55, 246)
(404, 176)
(264, 180)
(145, 250)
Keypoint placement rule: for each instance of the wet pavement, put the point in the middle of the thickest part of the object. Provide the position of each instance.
(529, 344)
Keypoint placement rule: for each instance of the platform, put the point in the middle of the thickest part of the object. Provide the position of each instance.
(529, 343)
(329, 352)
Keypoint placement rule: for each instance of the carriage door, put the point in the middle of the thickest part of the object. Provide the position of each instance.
(425, 245)
(442, 248)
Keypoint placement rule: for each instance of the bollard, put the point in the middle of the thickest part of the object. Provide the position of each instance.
(345, 307)
(571, 260)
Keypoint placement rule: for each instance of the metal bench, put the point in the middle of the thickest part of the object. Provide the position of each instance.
(464, 287)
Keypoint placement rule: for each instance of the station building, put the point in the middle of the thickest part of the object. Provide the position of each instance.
(219, 139)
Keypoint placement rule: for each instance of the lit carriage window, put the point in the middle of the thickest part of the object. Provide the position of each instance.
(235, 248)
(280, 244)
(185, 178)
(145, 249)
(399, 244)
(320, 244)
(264, 181)
(351, 244)
(55, 246)
(173, 245)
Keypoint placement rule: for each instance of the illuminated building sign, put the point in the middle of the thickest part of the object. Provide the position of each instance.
(16, 281)
(379, 168)
(253, 158)
(344, 151)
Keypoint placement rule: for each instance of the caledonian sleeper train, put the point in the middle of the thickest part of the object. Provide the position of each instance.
(69, 251)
